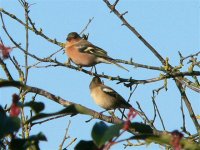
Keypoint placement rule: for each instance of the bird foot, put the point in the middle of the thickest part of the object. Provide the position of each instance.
(91, 73)
(68, 62)
(95, 71)
(80, 68)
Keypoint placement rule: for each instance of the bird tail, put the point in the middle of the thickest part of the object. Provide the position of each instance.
(112, 61)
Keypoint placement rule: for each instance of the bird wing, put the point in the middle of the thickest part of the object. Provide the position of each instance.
(87, 47)
(110, 92)
(121, 101)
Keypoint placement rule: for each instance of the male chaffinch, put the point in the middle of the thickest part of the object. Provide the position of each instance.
(84, 53)
(105, 96)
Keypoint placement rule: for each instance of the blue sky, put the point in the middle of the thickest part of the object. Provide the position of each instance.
(169, 25)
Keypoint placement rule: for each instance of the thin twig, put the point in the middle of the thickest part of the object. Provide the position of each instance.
(150, 123)
(46, 120)
(189, 106)
(183, 58)
(157, 110)
(4, 67)
(26, 6)
(65, 136)
(38, 32)
(183, 117)
(85, 28)
(120, 16)
(157, 91)
(72, 141)
(129, 98)
(137, 65)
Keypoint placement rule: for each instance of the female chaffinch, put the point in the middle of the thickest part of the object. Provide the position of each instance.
(84, 53)
(106, 97)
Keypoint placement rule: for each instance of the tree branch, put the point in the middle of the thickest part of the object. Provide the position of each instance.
(4, 67)
(59, 100)
(38, 32)
(120, 16)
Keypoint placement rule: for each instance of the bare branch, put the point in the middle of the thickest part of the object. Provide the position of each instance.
(65, 136)
(154, 51)
(38, 32)
(59, 100)
(4, 67)
(46, 120)
(90, 20)
(183, 117)
(188, 105)
(183, 58)
(156, 107)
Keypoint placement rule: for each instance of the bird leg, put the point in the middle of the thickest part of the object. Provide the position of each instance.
(95, 70)
(80, 68)
(68, 62)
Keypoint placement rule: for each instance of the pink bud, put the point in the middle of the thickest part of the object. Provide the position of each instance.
(5, 51)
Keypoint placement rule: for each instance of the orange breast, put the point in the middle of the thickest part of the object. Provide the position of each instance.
(79, 58)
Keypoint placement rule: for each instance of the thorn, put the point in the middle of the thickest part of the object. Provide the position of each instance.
(131, 60)
(118, 82)
(121, 15)
(89, 120)
(40, 30)
(180, 54)
(123, 24)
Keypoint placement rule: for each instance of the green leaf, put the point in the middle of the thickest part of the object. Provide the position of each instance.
(17, 143)
(98, 131)
(70, 110)
(101, 133)
(141, 127)
(32, 142)
(39, 137)
(36, 106)
(86, 145)
(12, 125)
(8, 125)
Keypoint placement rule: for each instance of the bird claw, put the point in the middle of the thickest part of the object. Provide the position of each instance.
(80, 68)
(68, 62)
(91, 73)
(95, 71)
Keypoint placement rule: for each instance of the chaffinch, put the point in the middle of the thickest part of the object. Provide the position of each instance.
(105, 96)
(84, 53)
